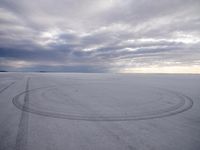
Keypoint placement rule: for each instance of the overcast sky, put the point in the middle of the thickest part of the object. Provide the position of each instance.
(100, 35)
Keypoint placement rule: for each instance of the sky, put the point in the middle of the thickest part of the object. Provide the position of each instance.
(125, 36)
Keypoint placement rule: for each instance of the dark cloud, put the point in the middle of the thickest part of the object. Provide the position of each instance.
(98, 36)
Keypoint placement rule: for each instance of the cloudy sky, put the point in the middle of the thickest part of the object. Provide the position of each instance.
(100, 35)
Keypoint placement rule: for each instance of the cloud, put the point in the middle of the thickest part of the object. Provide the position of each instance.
(99, 36)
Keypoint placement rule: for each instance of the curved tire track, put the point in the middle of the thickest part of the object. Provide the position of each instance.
(184, 104)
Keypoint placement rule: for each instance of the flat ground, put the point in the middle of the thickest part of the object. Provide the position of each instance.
(52, 111)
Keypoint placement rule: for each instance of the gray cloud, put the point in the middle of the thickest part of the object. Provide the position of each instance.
(98, 36)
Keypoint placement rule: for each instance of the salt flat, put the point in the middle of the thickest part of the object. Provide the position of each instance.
(59, 111)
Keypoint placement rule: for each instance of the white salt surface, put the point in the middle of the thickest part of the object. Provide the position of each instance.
(62, 111)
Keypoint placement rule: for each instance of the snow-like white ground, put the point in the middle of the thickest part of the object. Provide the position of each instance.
(60, 111)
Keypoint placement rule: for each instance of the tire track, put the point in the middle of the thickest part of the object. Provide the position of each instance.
(6, 87)
(184, 104)
(22, 134)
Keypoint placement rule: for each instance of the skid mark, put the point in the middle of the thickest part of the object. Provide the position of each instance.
(184, 104)
(22, 134)
(6, 87)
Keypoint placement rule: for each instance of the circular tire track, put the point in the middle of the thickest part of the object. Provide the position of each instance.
(184, 104)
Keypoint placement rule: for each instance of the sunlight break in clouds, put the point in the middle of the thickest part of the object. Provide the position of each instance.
(100, 36)
(156, 69)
